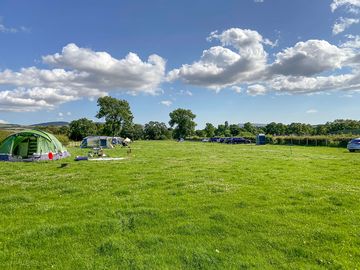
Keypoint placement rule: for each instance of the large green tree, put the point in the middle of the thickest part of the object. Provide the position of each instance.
(183, 121)
(234, 130)
(79, 129)
(116, 112)
(209, 130)
(156, 131)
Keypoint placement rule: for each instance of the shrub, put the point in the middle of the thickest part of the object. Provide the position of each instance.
(4, 134)
(63, 139)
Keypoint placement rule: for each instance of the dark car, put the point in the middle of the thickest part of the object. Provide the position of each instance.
(239, 141)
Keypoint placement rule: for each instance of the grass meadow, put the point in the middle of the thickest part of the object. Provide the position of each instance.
(184, 206)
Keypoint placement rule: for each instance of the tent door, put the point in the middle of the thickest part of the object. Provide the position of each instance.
(103, 143)
(32, 148)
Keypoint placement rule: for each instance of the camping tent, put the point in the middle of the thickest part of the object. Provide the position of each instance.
(96, 141)
(31, 145)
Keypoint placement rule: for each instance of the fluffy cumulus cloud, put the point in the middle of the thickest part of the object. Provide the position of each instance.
(342, 24)
(309, 58)
(240, 58)
(350, 5)
(3, 122)
(77, 73)
(241, 62)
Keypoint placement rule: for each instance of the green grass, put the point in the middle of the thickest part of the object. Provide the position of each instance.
(184, 206)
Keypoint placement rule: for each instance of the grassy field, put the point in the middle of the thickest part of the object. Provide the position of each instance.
(184, 206)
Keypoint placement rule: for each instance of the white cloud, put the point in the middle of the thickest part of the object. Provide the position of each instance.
(353, 42)
(342, 24)
(68, 113)
(236, 89)
(130, 73)
(81, 73)
(6, 29)
(60, 114)
(304, 85)
(3, 122)
(308, 67)
(258, 1)
(256, 90)
(351, 5)
(309, 58)
(186, 93)
(167, 103)
(220, 67)
(311, 111)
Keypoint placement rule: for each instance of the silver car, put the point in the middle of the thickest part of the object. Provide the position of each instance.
(354, 145)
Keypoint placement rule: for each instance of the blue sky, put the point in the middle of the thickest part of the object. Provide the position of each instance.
(258, 61)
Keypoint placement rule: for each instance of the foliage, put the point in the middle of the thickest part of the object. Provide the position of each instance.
(56, 130)
(156, 131)
(63, 139)
(339, 126)
(79, 129)
(138, 132)
(234, 130)
(184, 206)
(209, 130)
(200, 133)
(4, 134)
(336, 141)
(117, 114)
(183, 121)
(248, 127)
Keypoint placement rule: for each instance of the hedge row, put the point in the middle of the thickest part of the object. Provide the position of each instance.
(334, 141)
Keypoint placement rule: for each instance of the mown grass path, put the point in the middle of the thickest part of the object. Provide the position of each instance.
(184, 206)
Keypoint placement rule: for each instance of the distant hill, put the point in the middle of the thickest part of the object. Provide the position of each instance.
(59, 123)
(254, 124)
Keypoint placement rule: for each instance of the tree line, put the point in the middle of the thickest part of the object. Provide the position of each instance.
(119, 122)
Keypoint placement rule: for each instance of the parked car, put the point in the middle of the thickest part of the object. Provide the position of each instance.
(240, 140)
(354, 145)
(214, 139)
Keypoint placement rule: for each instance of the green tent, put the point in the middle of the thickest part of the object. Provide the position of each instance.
(31, 145)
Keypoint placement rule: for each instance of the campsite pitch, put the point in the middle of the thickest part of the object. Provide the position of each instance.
(184, 206)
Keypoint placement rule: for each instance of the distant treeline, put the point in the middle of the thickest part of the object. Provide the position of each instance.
(119, 122)
(154, 130)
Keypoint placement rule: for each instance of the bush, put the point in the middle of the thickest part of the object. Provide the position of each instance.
(63, 139)
(4, 134)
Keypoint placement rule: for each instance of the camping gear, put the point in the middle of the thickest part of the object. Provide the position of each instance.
(106, 158)
(32, 145)
(81, 158)
(96, 142)
(260, 139)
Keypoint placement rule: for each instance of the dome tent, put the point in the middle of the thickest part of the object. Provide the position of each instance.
(32, 145)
